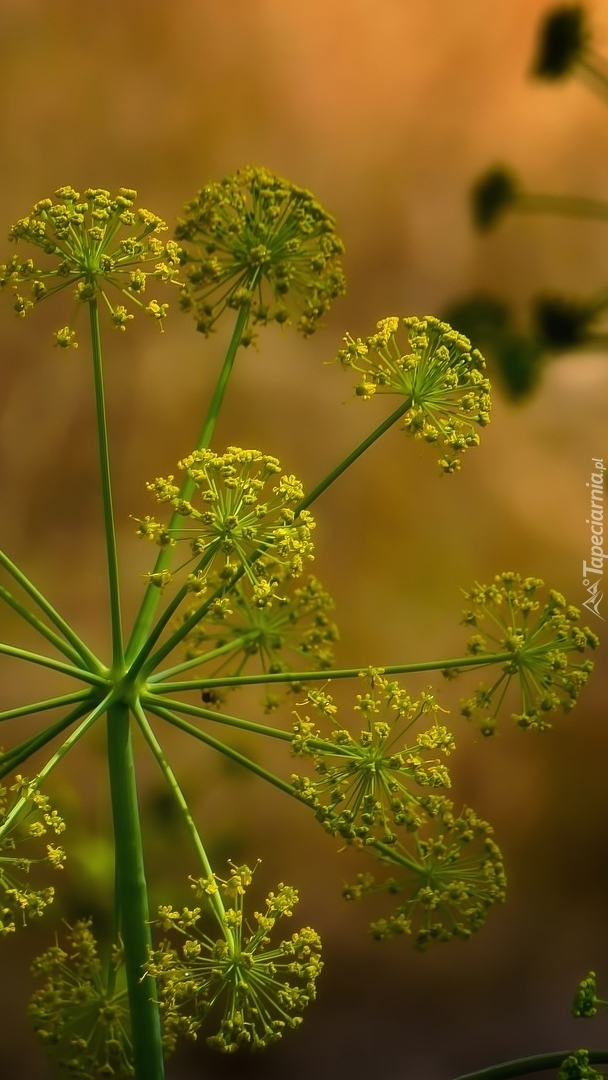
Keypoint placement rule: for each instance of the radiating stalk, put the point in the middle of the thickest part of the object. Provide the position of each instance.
(106, 487)
(145, 615)
(79, 646)
(215, 899)
(327, 674)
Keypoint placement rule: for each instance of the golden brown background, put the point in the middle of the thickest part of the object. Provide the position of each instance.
(387, 110)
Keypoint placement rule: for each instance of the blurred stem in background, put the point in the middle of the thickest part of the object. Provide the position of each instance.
(556, 323)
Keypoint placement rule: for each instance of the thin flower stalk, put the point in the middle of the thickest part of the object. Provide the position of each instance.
(85, 654)
(45, 631)
(215, 899)
(106, 487)
(537, 1063)
(21, 753)
(159, 686)
(145, 615)
(223, 748)
(55, 665)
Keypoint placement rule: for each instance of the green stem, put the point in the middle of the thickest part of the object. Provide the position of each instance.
(43, 706)
(138, 663)
(328, 674)
(151, 596)
(564, 205)
(132, 895)
(399, 857)
(42, 628)
(592, 69)
(537, 1063)
(152, 703)
(352, 457)
(24, 750)
(106, 487)
(55, 665)
(204, 658)
(250, 726)
(83, 651)
(185, 628)
(228, 751)
(215, 900)
(41, 776)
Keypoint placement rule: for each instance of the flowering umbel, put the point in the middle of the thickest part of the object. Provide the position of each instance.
(276, 630)
(586, 999)
(381, 791)
(577, 1066)
(251, 991)
(256, 241)
(20, 900)
(95, 244)
(371, 782)
(79, 1014)
(239, 518)
(449, 875)
(435, 370)
(540, 646)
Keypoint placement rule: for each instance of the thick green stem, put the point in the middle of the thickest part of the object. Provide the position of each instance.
(399, 857)
(79, 646)
(132, 897)
(151, 597)
(215, 899)
(106, 487)
(527, 1065)
(327, 675)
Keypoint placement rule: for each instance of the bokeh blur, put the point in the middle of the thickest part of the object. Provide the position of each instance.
(387, 110)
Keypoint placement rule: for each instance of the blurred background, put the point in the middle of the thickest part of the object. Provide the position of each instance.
(387, 111)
